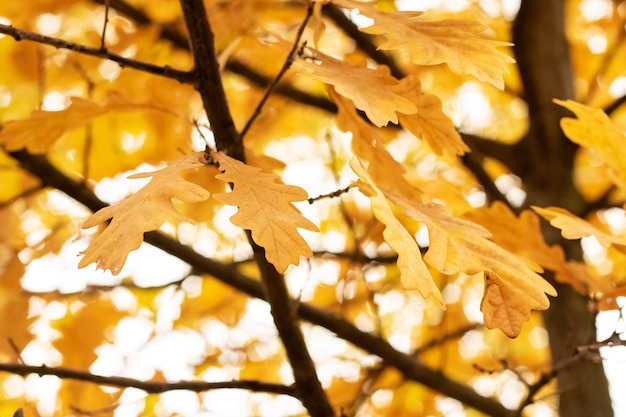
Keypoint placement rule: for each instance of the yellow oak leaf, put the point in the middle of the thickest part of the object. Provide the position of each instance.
(459, 43)
(266, 209)
(430, 123)
(43, 128)
(144, 211)
(518, 234)
(375, 91)
(512, 286)
(413, 271)
(601, 289)
(367, 144)
(573, 227)
(593, 129)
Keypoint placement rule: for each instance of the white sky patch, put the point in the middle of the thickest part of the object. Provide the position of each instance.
(55, 101)
(594, 10)
(5, 96)
(49, 24)
(115, 189)
(476, 198)
(597, 43)
(422, 5)
(132, 143)
(109, 70)
(381, 398)
(616, 89)
(471, 110)
(505, 8)
(616, 218)
(4, 21)
(510, 187)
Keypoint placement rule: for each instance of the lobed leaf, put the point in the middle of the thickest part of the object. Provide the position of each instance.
(142, 212)
(43, 128)
(573, 227)
(430, 123)
(266, 209)
(594, 129)
(375, 91)
(512, 286)
(413, 271)
(460, 43)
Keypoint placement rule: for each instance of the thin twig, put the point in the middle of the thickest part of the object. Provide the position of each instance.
(151, 387)
(89, 127)
(281, 73)
(107, 4)
(332, 194)
(587, 352)
(184, 77)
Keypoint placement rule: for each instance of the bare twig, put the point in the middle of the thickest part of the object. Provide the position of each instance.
(587, 352)
(332, 194)
(288, 62)
(107, 4)
(166, 71)
(152, 387)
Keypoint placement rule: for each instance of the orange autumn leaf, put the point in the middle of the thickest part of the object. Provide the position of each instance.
(459, 43)
(144, 211)
(375, 91)
(512, 286)
(430, 123)
(413, 271)
(518, 234)
(266, 209)
(368, 145)
(593, 129)
(573, 227)
(43, 128)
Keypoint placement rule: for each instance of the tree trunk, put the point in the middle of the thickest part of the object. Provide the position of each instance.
(545, 68)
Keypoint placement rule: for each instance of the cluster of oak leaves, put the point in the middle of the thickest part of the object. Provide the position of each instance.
(513, 286)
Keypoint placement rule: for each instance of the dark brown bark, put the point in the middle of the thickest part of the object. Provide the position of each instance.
(542, 55)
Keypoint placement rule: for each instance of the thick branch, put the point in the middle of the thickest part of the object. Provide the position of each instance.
(151, 387)
(209, 80)
(230, 275)
(227, 139)
(544, 64)
(166, 71)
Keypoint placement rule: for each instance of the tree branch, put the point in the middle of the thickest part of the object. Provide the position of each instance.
(184, 77)
(151, 387)
(274, 83)
(230, 275)
(227, 139)
(209, 80)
